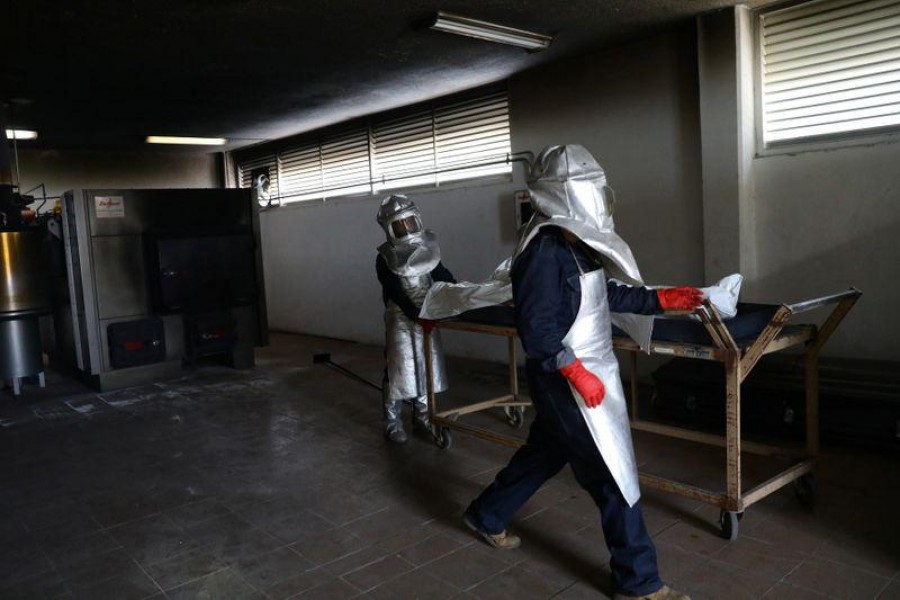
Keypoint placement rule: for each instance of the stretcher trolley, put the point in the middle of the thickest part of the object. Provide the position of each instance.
(737, 343)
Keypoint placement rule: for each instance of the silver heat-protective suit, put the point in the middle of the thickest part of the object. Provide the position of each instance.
(568, 190)
(412, 256)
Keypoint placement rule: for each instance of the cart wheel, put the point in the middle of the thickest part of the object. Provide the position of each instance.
(728, 521)
(444, 439)
(805, 490)
(515, 416)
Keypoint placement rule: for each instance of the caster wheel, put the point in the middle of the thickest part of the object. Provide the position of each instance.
(728, 522)
(515, 416)
(444, 439)
(805, 490)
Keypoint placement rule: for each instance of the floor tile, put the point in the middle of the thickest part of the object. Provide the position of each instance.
(467, 567)
(221, 584)
(371, 575)
(333, 590)
(191, 565)
(152, 539)
(516, 583)
(414, 585)
(277, 481)
(838, 580)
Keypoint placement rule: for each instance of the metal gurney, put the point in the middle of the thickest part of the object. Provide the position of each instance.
(737, 343)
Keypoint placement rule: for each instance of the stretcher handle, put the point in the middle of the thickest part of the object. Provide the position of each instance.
(806, 305)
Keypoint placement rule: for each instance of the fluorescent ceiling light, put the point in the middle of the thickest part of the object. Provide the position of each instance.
(195, 141)
(490, 32)
(21, 134)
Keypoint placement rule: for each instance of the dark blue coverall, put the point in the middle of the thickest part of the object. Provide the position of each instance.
(547, 295)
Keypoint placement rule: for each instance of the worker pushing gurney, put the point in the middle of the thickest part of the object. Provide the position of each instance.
(563, 301)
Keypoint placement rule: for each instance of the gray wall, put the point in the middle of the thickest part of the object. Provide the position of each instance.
(803, 224)
(643, 129)
(62, 170)
(319, 258)
(827, 220)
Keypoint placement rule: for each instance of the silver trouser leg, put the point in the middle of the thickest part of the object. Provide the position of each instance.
(420, 412)
(393, 415)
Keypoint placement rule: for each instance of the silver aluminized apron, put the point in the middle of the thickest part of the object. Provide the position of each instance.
(590, 337)
(405, 347)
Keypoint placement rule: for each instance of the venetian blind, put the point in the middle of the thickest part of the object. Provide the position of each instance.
(830, 67)
(441, 141)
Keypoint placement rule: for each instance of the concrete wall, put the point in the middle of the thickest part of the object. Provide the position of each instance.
(319, 258)
(635, 107)
(799, 225)
(827, 220)
(61, 170)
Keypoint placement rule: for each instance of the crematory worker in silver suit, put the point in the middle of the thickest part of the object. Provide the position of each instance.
(565, 297)
(407, 264)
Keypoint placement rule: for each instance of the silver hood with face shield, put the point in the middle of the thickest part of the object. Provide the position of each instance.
(414, 252)
(569, 190)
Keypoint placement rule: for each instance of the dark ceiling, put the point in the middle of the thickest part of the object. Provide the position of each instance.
(105, 73)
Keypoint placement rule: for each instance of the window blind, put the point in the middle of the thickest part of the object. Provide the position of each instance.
(830, 67)
(441, 141)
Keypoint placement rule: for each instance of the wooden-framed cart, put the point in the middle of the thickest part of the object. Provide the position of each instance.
(738, 358)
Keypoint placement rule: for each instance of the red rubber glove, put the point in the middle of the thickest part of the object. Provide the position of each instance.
(588, 385)
(426, 325)
(679, 298)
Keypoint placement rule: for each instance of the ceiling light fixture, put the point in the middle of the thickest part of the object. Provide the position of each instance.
(21, 134)
(490, 32)
(194, 141)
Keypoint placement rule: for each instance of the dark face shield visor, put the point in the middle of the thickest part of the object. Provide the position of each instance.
(406, 227)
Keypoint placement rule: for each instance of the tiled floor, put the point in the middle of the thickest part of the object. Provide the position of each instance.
(276, 483)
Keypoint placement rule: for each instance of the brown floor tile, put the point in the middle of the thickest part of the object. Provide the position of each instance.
(135, 586)
(467, 566)
(299, 583)
(98, 567)
(221, 584)
(369, 576)
(876, 553)
(430, 549)
(152, 539)
(516, 583)
(836, 580)
(265, 570)
(581, 590)
(357, 560)
(703, 540)
(179, 570)
(714, 580)
(333, 590)
(753, 555)
(328, 546)
(801, 534)
(414, 585)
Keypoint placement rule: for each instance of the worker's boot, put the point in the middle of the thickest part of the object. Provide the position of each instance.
(502, 540)
(394, 432)
(393, 418)
(663, 593)
(421, 422)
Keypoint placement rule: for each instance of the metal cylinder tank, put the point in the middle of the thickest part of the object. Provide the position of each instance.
(21, 353)
(23, 299)
(23, 280)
